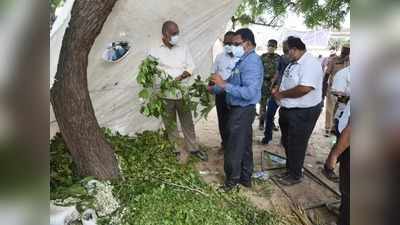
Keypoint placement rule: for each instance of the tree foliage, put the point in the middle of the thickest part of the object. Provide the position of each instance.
(317, 13)
(55, 3)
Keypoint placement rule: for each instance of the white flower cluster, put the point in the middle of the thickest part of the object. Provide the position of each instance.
(117, 219)
(105, 202)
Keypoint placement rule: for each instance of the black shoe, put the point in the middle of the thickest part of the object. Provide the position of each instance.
(290, 180)
(330, 174)
(247, 184)
(282, 175)
(265, 141)
(200, 154)
(229, 187)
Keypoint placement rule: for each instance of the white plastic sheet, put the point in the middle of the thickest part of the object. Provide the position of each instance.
(113, 87)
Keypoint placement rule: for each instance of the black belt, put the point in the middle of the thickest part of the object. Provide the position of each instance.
(297, 108)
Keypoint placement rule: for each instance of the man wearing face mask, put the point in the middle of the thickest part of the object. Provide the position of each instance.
(272, 104)
(175, 59)
(270, 61)
(243, 92)
(223, 65)
(300, 97)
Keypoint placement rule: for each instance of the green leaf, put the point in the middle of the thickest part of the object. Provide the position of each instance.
(144, 93)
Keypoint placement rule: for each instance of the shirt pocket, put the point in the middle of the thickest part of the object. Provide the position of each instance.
(291, 80)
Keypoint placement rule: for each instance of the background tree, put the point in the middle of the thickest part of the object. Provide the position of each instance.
(69, 95)
(337, 42)
(324, 13)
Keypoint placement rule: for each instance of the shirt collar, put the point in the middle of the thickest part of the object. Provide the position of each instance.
(162, 45)
(253, 50)
(246, 54)
(303, 58)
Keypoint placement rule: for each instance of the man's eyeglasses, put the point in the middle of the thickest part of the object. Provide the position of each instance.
(228, 43)
(237, 43)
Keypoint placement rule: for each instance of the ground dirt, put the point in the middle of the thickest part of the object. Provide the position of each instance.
(267, 194)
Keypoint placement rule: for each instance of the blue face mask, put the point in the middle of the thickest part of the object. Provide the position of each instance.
(238, 51)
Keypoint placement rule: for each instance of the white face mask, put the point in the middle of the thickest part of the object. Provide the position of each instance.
(228, 49)
(174, 40)
(238, 51)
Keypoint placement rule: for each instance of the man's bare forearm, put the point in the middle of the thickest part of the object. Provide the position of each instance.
(343, 142)
(296, 92)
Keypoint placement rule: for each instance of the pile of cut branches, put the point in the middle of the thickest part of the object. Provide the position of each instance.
(154, 189)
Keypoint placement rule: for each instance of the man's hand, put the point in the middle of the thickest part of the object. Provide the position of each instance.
(184, 75)
(217, 79)
(331, 161)
(276, 94)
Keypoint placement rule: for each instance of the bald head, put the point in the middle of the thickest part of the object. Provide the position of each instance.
(169, 26)
(170, 29)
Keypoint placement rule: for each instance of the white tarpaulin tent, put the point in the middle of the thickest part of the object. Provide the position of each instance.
(112, 86)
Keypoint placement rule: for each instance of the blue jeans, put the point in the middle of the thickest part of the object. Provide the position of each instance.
(269, 118)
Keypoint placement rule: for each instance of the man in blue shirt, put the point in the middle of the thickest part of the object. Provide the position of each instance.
(243, 92)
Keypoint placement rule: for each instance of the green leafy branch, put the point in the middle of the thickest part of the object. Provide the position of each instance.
(154, 98)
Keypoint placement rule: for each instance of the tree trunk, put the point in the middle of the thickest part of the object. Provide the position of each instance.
(70, 96)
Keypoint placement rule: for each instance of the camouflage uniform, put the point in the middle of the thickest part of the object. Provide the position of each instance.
(270, 61)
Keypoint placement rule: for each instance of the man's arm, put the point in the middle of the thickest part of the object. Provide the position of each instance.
(274, 79)
(342, 144)
(295, 92)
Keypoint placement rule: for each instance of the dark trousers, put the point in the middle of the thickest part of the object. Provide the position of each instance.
(296, 126)
(269, 118)
(222, 112)
(344, 186)
(238, 154)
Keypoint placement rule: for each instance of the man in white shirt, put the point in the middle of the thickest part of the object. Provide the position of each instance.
(341, 153)
(175, 59)
(341, 88)
(300, 97)
(334, 65)
(223, 65)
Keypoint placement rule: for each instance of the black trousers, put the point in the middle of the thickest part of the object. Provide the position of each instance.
(297, 125)
(344, 186)
(222, 113)
(238, 154)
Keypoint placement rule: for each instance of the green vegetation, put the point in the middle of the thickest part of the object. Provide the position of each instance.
(325, 13)
(153, 188)
(156, 85)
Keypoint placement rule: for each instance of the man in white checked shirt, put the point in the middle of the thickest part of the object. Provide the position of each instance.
(175, 59)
